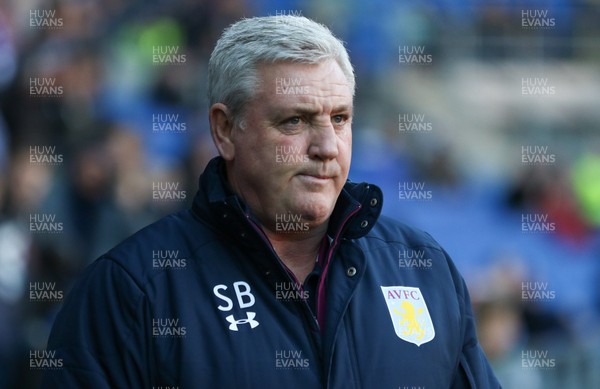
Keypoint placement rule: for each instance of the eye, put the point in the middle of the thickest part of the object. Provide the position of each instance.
(293, 120)
(339, 119)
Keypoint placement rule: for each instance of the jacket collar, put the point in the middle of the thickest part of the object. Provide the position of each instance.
(355, 212)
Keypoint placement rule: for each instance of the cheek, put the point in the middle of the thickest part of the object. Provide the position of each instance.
(345, 151)
(254, 150)
(262, 166)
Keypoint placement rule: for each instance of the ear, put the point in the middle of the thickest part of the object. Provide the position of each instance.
(221, 129)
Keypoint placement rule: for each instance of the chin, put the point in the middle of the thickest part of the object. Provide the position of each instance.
(317, 213)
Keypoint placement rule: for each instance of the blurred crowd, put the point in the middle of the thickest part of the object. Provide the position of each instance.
(85, 156)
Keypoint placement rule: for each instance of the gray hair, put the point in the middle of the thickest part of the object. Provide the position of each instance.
(232, 78)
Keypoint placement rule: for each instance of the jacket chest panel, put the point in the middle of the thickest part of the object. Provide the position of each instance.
(399, 330)
(235, 329)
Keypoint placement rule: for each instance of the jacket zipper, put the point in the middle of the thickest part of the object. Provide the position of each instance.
(321, 293)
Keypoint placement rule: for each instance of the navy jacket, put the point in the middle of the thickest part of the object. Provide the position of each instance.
(199, 299)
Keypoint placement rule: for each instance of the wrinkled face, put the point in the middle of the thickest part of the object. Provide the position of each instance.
(292, 151)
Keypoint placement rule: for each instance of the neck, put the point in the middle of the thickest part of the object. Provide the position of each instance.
(298, 252)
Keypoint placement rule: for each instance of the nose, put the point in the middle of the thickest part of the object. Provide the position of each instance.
(323, 142)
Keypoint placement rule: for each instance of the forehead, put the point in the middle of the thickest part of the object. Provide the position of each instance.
(285, 83)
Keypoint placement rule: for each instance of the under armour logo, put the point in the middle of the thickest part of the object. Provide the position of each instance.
(249, 320)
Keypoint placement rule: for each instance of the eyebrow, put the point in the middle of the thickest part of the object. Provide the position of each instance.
(311, 111)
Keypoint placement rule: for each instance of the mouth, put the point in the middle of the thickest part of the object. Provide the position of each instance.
(318, 173)
(315, 177)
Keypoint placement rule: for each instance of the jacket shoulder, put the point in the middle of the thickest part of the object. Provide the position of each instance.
(169, 242)
(388, 230)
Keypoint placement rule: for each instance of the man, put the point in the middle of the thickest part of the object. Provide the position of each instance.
(282, 275)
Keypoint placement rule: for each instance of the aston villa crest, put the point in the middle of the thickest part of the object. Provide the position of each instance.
(409, 314)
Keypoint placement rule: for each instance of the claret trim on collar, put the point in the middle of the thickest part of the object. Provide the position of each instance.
(216, 202)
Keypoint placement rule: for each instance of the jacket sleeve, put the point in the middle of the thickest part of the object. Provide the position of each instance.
(100, 333)
(474, 370)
